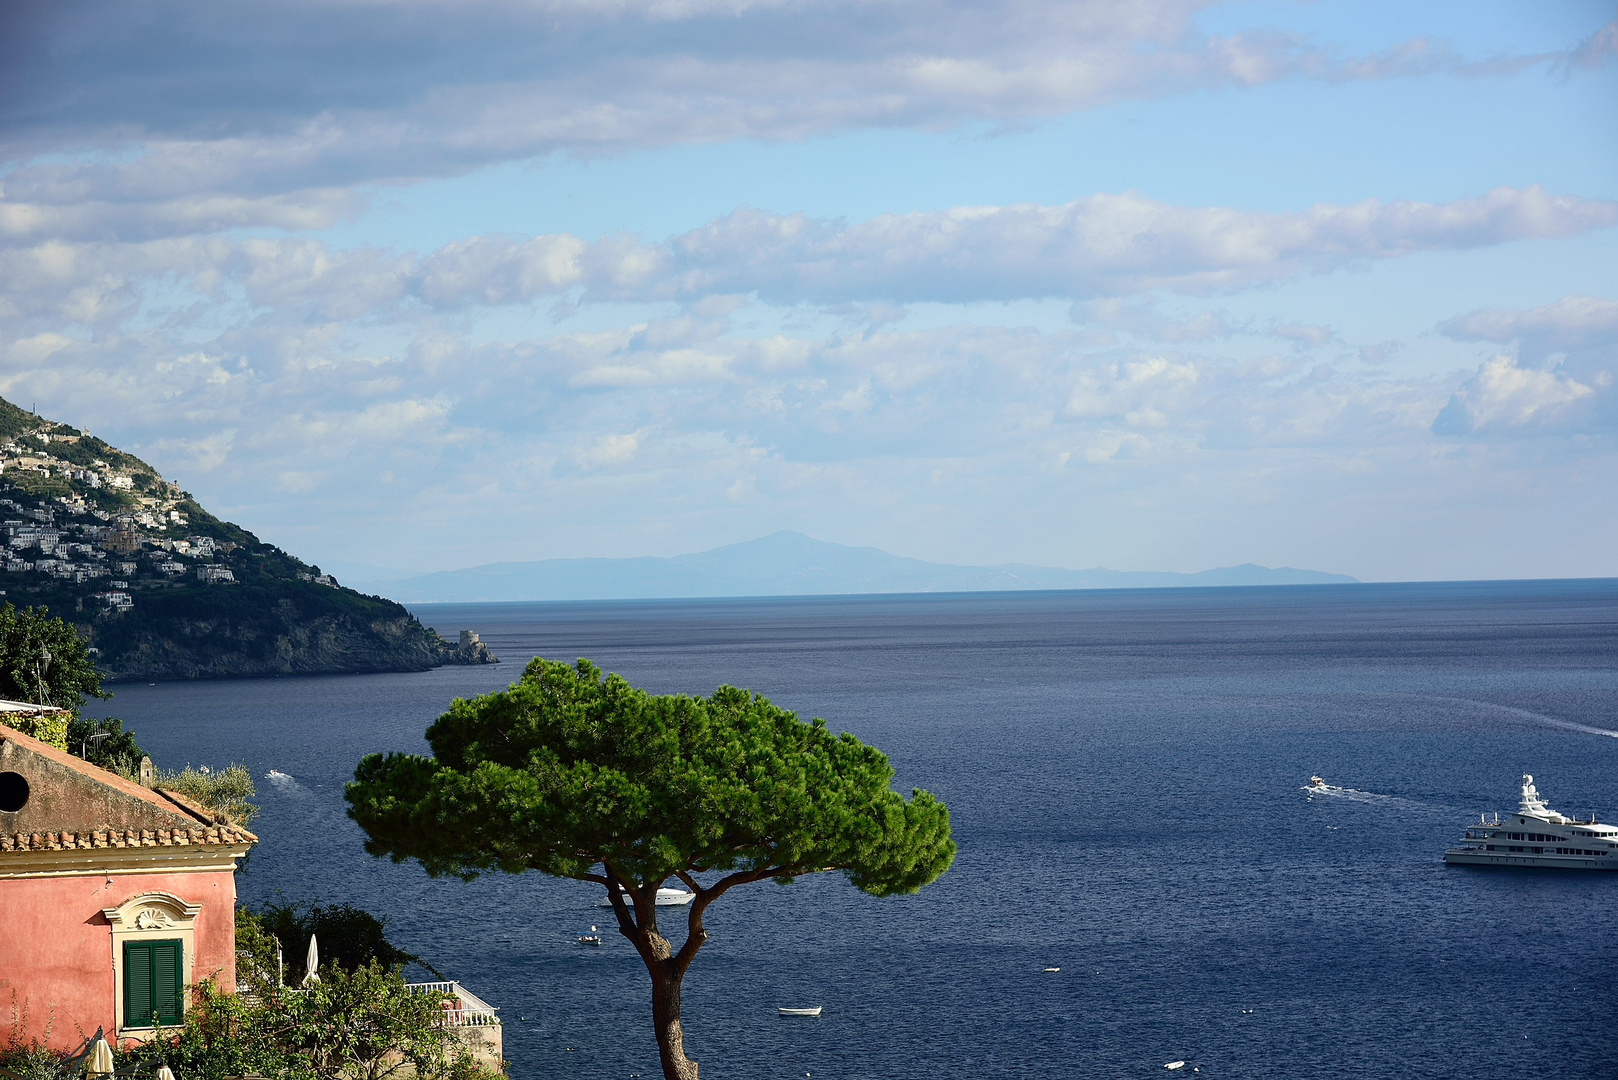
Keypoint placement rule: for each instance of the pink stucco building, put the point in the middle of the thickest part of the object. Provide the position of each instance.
(114, 898)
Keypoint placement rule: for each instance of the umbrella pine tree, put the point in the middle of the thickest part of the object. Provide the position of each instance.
(582, 776)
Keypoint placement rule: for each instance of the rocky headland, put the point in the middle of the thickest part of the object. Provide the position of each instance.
(162, 589)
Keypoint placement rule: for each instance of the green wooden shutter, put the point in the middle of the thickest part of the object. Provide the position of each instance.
(138, 984)
(153, 983)
(166, 981)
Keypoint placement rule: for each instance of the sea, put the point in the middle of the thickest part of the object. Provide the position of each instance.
(1126, 773)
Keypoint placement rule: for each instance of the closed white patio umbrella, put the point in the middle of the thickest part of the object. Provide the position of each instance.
(100, 1059)
(165, 1073)
(311, 963)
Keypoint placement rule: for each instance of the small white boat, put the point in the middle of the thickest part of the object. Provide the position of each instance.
(784, 1011)
(1171, 1066)
(1314, 781)
(276, 774)
(1052, 971)
(592, 938)
(665, 898)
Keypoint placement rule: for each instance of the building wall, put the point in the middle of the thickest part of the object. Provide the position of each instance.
(486, 1044)
(56, 946)
(67, 796)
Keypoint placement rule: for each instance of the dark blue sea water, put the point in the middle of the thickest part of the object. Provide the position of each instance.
(1124, 774)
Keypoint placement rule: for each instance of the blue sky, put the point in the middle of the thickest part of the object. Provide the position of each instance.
(1159, 285)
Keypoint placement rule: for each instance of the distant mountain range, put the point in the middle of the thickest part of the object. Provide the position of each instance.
(789, 564)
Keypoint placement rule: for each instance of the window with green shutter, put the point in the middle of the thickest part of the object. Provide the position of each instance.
(152, 983)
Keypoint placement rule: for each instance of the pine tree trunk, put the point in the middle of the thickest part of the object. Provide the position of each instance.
(666, 1018)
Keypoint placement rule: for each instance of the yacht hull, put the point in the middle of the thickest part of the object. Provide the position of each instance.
(1545, 862)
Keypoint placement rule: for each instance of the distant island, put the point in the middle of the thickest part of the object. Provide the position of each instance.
(791, 564)
(162, 589)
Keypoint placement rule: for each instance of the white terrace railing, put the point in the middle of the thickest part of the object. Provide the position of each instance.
(467, 1009)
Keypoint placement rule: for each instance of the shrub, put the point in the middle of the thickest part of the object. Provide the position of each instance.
(360, 1025)
(225, 791)
(48, 728)
(25, 1058)
(349, 937)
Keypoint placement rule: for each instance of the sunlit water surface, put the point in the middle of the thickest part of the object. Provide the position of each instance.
(1125, 776)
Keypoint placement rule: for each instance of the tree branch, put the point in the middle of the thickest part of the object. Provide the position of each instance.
(695, 935)
(616, 890)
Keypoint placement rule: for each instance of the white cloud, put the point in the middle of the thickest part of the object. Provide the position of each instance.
(1304, 336)
(1143, 391)
(180, 215)
(1503, 397)
(608, 450)
(1573, 322)
(181, 120)
(1558, 376)
(1101, 246)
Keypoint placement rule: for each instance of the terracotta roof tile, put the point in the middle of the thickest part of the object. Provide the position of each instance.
(125, 838)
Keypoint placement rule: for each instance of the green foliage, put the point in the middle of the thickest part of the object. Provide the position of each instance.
(43, 660)
(359, 1025)
(118, 751)
(226, 791)
(14, 420)
(257, 969)
(349, 937)
(37, 485)
(580, 776)
(23, 1057)
(48, 728)
(566, 770)
(32, 1062)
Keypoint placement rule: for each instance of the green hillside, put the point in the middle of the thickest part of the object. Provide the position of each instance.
(162, 588)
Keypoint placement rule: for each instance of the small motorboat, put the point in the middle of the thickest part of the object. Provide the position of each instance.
(1052, 971)
(276, 774)
(1315, 781)
(592, 938)
(1171, 1066)
(784, 1011)
(665, 898)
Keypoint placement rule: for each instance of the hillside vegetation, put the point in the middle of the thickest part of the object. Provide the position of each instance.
(162, 589)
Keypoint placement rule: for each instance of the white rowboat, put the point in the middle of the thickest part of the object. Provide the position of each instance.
(799, 1012)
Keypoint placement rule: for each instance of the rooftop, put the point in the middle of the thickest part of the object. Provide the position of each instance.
(76, 804)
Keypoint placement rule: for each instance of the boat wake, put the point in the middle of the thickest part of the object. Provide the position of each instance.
(1534, 717)
(285, 783)
(1353, 795)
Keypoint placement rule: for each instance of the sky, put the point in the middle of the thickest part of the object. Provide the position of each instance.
(1156, 285)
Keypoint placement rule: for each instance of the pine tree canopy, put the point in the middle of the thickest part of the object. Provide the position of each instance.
(567, 771)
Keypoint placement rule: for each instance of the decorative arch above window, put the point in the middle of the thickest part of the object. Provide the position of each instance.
(146, 921)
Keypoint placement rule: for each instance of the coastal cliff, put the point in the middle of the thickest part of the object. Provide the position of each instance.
(162, 589)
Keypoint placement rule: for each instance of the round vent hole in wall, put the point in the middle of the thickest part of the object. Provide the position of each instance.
(13, 792)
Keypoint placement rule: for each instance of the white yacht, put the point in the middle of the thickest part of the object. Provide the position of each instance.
(665, 898)
(1536, 835)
